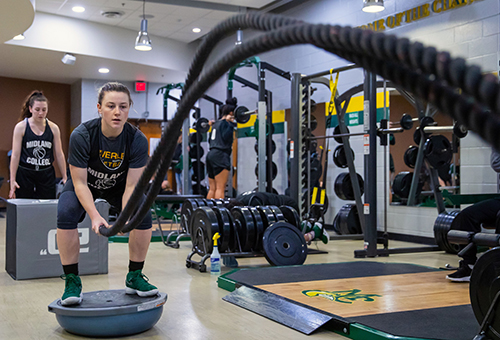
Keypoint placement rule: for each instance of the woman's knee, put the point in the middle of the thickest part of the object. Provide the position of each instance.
(69, 211)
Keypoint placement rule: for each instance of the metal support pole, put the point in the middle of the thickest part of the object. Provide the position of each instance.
(269, 143)
(370, 212)
(295, 142)
(261, 116)
(284, 164)
(185, 157)
(415, 182)
(438, 197)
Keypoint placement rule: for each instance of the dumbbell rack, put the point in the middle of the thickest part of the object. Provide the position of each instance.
(247, 222)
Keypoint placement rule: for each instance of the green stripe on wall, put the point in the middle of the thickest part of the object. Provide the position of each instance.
(250, 131)
(353, 118)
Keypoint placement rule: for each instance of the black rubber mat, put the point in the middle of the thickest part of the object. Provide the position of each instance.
(330, 271)
(445, 323)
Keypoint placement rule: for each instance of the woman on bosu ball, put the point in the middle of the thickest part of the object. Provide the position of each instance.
(107, 156)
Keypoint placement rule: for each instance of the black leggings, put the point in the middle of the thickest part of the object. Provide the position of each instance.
(36, 184)
(70, 212)
(471, 218)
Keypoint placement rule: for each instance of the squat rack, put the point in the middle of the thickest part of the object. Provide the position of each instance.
(264, 114)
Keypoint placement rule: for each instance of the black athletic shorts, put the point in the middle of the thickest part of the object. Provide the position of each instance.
(70, 211)
(217, 160)
(36, 184)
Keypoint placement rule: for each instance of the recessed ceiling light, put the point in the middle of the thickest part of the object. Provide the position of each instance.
(19, 37)
(196, 30)
(78, 9)
(104, 70)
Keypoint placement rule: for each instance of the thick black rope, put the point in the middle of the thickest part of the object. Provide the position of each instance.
(158, 166)
(452, 86)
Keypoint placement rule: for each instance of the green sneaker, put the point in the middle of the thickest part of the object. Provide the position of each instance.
(73, 290)
(321, 233)
(137, 283)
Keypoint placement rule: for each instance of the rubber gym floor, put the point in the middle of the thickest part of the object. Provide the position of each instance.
(195, 308)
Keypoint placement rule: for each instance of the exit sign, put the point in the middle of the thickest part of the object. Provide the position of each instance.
(140, 86)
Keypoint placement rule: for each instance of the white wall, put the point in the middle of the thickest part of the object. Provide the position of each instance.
(88, 90)
(471, 32)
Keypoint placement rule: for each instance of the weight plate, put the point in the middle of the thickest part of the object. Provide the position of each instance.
(460, 130)
(202, 125)
(336, 224)
(336, 131)
(410, 156)
(196, 151)
(204, 224)
(277, 213)
(193, 138)
(438, 151)
(402, 184)
(316, 170)
(209, 202)
(245, 227)
(284, 245)
(291, 215)
(484, 285)
(194, 177)
(274, 191)
(259, 228)
(339, 156)
(273, 148)
(201, 202)
(224, 229)
(441, 227)
(274, 171)
(314, 121)
(241, 114)
(187, 209)
(232, 231)
(343, 186)
(267, 216)
(406, 122)
(348, 222)
(219, 203)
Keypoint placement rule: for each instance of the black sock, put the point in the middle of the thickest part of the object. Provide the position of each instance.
(71, 269)
(133, 266)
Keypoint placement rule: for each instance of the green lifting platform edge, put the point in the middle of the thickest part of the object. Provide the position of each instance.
(467, 198)
(244, 63)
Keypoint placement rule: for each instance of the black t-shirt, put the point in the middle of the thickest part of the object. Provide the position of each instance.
(107, 160)
(37, 152)
(221, 136)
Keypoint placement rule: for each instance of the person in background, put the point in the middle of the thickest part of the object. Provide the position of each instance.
(221, 145)
(36, 144)
(471, 219)
(107, 156)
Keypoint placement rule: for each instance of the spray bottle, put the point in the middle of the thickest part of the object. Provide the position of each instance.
(215, 257)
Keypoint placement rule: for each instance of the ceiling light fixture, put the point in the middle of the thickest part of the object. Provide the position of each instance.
(78, 9)
(196, 30)
(143, 43)
(19, 37)
(373, 6)
(104, 70)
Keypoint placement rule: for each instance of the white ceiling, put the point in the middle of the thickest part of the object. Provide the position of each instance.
(164, 20)
(170, 23)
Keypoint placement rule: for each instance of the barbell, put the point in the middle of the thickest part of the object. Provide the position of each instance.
(241, 115)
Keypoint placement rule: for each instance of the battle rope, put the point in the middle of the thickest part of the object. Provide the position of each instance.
(452, 86)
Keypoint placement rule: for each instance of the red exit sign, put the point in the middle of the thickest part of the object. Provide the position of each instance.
(140, 86)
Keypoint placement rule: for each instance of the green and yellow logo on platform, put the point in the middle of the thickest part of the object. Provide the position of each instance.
(342, 296)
